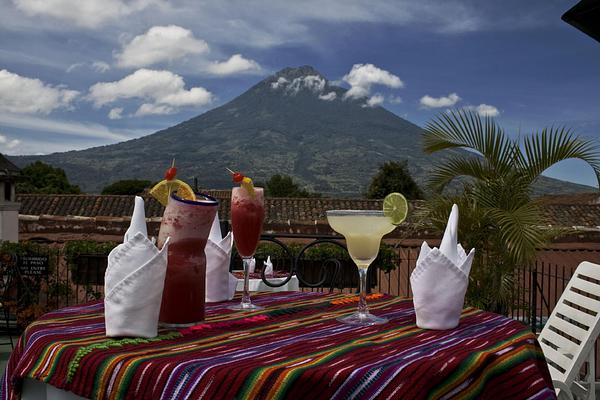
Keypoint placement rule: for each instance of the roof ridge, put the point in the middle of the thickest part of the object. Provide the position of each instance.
(7, 165)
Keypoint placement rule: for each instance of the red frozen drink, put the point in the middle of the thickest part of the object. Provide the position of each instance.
(247, 216)
(187, 223)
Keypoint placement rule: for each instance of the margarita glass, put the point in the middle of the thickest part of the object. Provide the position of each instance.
(247, 216)
(363, 230)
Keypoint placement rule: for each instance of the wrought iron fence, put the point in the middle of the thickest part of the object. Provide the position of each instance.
(318, 262)
(30, 285)
(63, 282)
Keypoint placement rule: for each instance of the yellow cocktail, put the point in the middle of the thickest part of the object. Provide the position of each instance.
(363, 230)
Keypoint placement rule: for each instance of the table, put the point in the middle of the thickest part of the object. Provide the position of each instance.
(256, 284)
(294, 348)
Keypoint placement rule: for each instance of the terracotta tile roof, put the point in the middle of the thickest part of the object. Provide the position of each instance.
(571, 199)
(573, 215)
(83, 205)
(279, 210)
(299, 210)
(219, 194)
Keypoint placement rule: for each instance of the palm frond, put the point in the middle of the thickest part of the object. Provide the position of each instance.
(508, 192)
(497, 215)
(473, 167)
(520, 230)
(466, 129)
(454, 129)
(543, 150)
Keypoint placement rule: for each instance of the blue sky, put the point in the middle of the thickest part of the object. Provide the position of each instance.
(76, 74)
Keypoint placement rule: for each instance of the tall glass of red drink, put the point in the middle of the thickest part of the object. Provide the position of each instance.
(187, 223)
(247, 216)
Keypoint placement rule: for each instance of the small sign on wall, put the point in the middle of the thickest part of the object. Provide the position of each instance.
(33, 265)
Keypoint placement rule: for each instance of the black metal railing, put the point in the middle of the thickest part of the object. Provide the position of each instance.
(537, 287)
(333, 270)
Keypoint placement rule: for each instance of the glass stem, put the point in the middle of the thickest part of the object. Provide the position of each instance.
(246, 294)
(362, 301)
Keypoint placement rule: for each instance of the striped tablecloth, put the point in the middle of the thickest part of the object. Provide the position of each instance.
(294, 348)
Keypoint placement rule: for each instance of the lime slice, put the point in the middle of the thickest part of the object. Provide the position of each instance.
(163, 189)
(395, 207)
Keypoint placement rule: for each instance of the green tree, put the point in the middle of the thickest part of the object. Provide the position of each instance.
(393, 177)
(127, 187)
(39, 177)
(284, 186)
(498, 216)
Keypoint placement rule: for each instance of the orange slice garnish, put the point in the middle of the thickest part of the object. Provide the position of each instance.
(163, 189)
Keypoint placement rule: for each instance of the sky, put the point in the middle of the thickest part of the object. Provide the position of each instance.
(81, 73)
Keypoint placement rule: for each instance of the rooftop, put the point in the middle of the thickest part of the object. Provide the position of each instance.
(279, 209)
(572, 199)
(582, 212)
(7, 168)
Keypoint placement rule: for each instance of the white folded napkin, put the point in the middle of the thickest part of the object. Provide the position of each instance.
(220, 283)
(138, 220)
(268, 266)
(134, 281)
(440, 280)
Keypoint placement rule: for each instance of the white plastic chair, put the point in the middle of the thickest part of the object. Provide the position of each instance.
(569, 336)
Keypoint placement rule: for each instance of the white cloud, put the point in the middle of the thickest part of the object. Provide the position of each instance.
(19, 94)
(84, 13)
(116, 113)
(39, 147)
(7, 143)
(485, 110)
(100, 66)
(235, 65)
(154, 109)
(280, 82)
(81, 129)
(197, 96)
(45, 143)
(73, 67)
(394, 99)
(374, 101)
(362, 76)
(328, 97)
(96, 66)
(437, 102)
(268, 23)
(271, 23)
(160, 44)
(163, 91)
(314, 83)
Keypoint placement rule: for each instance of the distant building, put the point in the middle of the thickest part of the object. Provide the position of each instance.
(9, 207)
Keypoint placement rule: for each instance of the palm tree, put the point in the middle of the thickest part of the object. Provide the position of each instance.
(499, 217)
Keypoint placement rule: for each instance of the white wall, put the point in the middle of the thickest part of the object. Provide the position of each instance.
(9, 222)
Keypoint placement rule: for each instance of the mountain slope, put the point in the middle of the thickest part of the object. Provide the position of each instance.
(293, 123)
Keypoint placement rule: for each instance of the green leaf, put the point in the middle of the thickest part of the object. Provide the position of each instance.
(554, 145)
(498, 217)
